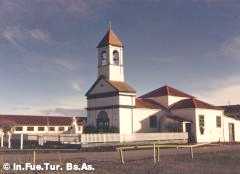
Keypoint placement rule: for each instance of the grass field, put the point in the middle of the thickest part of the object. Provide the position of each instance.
(207, 160)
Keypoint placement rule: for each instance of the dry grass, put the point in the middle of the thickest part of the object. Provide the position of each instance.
(208, 160)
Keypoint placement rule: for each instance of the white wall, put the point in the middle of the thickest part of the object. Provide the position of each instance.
(167, 100)
(106, 101)
(226, 121)
(111, 71)
(116, 72)
(46, 131)
(141, 120)
(211, 132)
(113, 114)
(102, 87)
(174, 99)
(126, 120)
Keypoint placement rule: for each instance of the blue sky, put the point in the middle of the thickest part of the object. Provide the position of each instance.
(48, 49)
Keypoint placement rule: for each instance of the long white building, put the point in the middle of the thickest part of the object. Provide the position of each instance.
(40, 125)
(112, 104)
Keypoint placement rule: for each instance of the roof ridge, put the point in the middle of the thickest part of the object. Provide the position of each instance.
(166, 90)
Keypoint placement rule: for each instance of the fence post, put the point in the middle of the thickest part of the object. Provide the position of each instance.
(154, 153)
(21, 142)
(191, 150)
(9, 140)
(34, 157)
(158, 153)
(121, 155)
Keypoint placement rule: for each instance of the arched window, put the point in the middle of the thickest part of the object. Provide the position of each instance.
(116, 57)
(102, 121)
(103, 58)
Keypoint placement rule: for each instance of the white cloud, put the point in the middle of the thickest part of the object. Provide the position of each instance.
(66, 112)
(66, 106)
(76, 101)
(17, 36)
(66, 63)
(225, 91)
(81, 7)
(231, 48)
(39, 35)
(13, 35)
(76, 86)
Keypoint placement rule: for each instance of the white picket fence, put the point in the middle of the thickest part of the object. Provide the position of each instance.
(136, 137)
(112, 138)
(56, 138)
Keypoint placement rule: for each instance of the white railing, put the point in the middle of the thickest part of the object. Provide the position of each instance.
(114, 137)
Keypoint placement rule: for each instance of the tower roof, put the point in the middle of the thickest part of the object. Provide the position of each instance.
(110, 38)
(165, 91)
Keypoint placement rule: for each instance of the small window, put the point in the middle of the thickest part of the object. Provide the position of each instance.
(218, 121)
(60, 128)
(201, 121)
(41, 128)
(51, 128)
(201, 124)
(18, 129)
(104, 58)
(69, 128)
(30, 128)
(153, 121)
(115, 57)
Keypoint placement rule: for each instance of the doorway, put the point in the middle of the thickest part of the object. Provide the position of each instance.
(189, 131)
(231, 132)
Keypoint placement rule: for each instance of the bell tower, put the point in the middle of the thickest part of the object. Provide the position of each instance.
(110, 57)
(110, 100)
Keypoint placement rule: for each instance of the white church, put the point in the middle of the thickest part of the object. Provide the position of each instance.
(112, 103)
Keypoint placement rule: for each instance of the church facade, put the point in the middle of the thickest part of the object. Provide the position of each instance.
(112, 104)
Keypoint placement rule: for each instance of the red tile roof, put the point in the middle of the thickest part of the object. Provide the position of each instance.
(110, 38)
(122, 86)
(119, 86)
(147, 103)
(38, 120)
(166, 91)
(193, 103)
